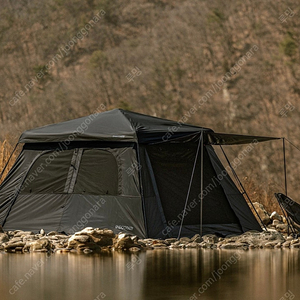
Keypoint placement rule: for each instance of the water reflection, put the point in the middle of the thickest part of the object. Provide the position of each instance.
(159, 274)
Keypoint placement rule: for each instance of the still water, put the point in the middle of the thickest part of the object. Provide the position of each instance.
(158, 274)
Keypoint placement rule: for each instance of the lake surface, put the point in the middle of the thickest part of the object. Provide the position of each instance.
(158, 274)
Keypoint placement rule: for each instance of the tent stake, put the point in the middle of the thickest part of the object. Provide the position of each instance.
(242, 187)
(190, 185)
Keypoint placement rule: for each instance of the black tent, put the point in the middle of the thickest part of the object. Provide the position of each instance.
(124, 171)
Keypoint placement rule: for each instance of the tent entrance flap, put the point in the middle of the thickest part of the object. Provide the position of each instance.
(190, 185)
(172, 165)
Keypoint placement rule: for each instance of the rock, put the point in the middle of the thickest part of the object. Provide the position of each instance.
(11, 246)
(271, 244)
(192, 245)
(1, 229)
(196, 238)
(185, 240)
(123, 242)
(276, 222)
(262, 213)
(100, 237)
(160, 246)
(171, 240)
(235, 246)
(295, 245)
(284, 228)
(87, 251)
(41, 244)
(81, 242)
(210, 238)
(205, 245)
(142, 244)
(134, 249)
(3, 238)
(23, 233)
(51, 233)
(62, 250)
(286, 244)
(275, 216)
(80, 238)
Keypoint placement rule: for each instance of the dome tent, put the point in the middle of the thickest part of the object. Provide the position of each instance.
(127, 172)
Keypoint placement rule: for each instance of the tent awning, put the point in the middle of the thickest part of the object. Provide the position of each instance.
(236, 139)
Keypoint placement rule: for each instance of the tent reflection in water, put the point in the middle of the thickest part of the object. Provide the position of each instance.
(124, 171)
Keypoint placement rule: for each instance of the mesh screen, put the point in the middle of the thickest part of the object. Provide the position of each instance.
(172, 166)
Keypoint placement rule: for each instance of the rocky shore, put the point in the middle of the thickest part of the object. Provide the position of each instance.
(96, 240)
(91, 240)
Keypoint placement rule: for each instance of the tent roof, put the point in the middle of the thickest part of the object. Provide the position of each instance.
(126, 126)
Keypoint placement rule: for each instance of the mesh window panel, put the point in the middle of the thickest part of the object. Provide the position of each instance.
(98, 173)
(172, 166)
(48, 174)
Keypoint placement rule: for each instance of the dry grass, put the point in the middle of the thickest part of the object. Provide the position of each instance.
(5, 151)
(262, 194)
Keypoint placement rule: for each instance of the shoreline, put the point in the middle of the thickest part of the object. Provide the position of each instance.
(95, 240)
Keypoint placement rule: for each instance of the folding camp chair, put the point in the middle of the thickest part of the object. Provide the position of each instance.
(290, 209)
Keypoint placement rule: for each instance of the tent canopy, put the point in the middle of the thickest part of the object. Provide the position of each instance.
(122, 125)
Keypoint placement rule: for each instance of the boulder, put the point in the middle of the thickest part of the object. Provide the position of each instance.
(284, 228)
(171, 240)
(276, 222)
(125, 243)
(12, 246)
(197, 238)
(271, 245)
(262, 213)
(41, 245)
(286, 244)
(185, 240)
(3, 237)
(275, 216)
(210, 238)
(160, 246)
(80, 242)
(51, 233)
(192, 245)
(20, 233)
(234, 246)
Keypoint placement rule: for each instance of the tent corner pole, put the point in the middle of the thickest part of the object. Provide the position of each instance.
(201, 189)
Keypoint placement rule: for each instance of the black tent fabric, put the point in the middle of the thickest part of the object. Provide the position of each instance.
(291, 207)
(124, 171)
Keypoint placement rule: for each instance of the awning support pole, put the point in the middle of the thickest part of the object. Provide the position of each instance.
(284, 166)
(242, 187)
(190, 185)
